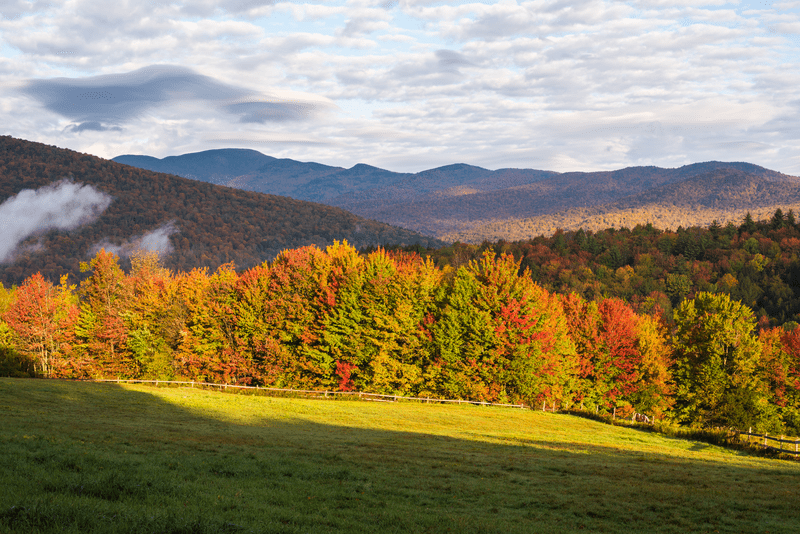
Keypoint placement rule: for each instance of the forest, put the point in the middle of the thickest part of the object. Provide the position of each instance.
(755, 262)
(573, 321)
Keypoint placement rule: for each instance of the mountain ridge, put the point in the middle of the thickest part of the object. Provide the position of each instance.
(456, 201)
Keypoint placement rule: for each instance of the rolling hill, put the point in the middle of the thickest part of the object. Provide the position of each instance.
(120, 207)
(466, 203)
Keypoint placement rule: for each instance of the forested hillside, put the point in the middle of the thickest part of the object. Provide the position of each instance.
(752, 261)
(200, 223)
(724, 195)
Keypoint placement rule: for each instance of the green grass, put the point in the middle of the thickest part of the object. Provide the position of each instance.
(84, 457)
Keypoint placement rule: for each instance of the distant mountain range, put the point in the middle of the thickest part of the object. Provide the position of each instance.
(471, 204)
(72, 204)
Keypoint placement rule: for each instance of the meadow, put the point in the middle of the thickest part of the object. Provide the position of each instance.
(88, 457)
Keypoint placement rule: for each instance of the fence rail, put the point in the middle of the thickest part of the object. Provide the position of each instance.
(309, 392)
(763, 439)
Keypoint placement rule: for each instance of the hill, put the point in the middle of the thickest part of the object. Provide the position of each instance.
(83, 457)
(120, 207)
(466, 203)
(214, 166)
(560, 201)
(725, 194)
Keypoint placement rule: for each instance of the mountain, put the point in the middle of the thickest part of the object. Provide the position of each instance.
(120, 207)
(471, 204)
(460, 217)
(214, 166)
(336, 186)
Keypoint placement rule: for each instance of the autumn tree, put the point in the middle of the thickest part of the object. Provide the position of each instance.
(100, 328)
(41, 318)
(499, 336)
(208, 349)
(780, 367)
(623, 357)
(154, 316)
(12, 362)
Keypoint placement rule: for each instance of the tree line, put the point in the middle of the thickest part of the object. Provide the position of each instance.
(394, 322)
(755, 262)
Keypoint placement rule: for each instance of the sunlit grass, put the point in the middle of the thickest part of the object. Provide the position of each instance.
(82, 457)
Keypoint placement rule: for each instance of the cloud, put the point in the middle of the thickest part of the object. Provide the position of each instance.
(63, 205)
(451, 60)
(99, 101)
(154, 241)
(555, 84)
(93, 126)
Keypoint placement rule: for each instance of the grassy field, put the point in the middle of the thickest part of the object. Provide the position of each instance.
(83, 457)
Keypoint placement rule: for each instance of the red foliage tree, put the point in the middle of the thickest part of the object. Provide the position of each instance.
(42, 318)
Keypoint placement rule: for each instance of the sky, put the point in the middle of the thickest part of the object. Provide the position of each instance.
(409, 85)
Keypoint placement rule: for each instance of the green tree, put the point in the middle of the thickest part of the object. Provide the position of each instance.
(748, 225)
(778, 219)
(498, 336)
(716, 357)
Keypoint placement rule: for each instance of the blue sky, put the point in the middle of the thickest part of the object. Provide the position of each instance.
(409, 85)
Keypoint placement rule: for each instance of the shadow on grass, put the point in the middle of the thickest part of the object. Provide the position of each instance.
(79, 457)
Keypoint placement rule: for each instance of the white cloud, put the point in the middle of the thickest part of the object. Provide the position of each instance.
(564, 85)
(154, 241)
(61, 206)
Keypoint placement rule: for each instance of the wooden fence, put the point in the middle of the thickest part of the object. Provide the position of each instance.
(312, 393)
(764, 440)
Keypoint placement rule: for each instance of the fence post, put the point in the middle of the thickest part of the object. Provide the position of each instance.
(554, 406)
(614, 415)
(543, 407)
(765, 438)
